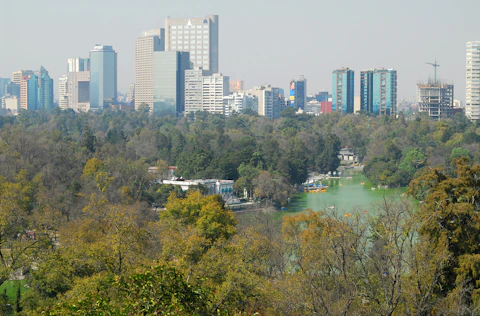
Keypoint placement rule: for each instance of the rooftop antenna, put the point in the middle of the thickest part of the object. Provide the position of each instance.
(435, 66)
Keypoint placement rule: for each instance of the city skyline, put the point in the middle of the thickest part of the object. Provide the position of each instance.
(411, 34)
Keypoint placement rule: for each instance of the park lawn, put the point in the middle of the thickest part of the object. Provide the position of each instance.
(11, 287)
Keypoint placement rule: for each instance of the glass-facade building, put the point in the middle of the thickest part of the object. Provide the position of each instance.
(45, 90)
(103, 77)
(32, 92)
(169, 81)
(298, 93)
(3, 86)
(366, 90)
(12, 89)
(343, 90)
(378, 88)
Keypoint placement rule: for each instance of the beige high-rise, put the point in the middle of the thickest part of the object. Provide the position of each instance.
(199, 36)
(145, 46)
(17, 75)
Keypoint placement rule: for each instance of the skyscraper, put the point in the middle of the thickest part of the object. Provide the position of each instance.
(103, 77)
(378, 91)
(366, 90)
(12, 89)
(169, 81)
(150, 42)
(342, 90)
(193, 89)
(78, 84)
(79, 91)
(3, 86)
(29, 92)
(18, 75)
(45, 90)
(214, 88)
(199, 36)
(78, 64)
(298, 93)
(36, 91)
(63, 92)
(472, 96)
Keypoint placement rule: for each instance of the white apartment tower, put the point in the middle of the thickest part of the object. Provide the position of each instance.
(145, 46)
(472, 97)
(63, 92)
(199, 36)
(205, 93)
(214, 88)
(193, 89)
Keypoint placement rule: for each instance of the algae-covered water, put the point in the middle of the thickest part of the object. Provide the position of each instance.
(346, 194)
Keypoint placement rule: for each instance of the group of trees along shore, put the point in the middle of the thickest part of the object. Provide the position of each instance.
(76, 216)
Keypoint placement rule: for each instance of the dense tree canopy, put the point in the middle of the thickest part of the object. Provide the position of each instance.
(81, 215)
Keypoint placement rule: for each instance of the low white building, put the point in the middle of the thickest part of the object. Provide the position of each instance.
(11, 103)
(346, 155)
(214, 186)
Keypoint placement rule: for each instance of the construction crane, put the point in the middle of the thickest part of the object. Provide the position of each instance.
(435, 66)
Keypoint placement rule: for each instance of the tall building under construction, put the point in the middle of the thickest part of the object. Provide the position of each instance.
(436, 99)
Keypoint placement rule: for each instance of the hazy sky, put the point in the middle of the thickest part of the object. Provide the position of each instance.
(261, 41)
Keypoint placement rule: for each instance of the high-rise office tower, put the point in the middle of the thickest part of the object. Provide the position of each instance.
(78, 84)
(366, 90)
(199, 36)
(13, 89)
(298, 93)
(18, 75)
(78, 64)
(79, 91)
(150, 42)
(36, 91)
(278, 102)
(435, 99)
(342, 90)
(378, 91)
(45, 90)
(472, 96)
(169, 82)
(29, 92)
(63, 92)
(3, 86)
(103, 77)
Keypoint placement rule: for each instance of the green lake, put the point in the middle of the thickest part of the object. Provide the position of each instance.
(346, 194)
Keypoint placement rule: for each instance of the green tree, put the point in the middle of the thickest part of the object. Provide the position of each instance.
(328, 159)
(449, 213)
